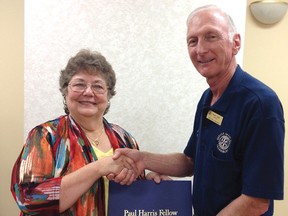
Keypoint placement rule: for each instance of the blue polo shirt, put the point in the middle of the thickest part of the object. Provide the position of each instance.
(237, 146)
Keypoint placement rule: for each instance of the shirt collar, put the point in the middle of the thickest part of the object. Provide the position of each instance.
(227, 97)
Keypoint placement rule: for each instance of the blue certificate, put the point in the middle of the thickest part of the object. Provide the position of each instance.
(146, 198)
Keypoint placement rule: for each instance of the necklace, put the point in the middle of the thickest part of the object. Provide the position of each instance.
(95, 141)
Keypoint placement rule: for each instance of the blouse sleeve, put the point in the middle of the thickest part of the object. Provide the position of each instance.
(33, 185)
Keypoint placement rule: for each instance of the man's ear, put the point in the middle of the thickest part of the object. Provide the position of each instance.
(236, 43)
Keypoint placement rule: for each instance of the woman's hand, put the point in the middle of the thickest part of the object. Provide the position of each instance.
(135, 156)
(132, 162)
(123, 170)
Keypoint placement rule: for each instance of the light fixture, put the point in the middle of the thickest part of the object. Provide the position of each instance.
(268, 11)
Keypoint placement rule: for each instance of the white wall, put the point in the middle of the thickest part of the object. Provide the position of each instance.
(144, 40)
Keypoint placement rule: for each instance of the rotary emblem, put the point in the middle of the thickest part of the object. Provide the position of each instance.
(224, 141)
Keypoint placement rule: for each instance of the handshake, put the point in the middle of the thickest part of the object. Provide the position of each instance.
(129, 164)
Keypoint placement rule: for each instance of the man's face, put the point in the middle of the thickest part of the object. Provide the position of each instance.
(211, 48)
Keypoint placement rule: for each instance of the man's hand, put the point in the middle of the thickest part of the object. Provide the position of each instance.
(156, 177)
(134, 166)
(136, 162)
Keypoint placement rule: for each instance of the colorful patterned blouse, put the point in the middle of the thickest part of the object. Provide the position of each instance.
(53, 150)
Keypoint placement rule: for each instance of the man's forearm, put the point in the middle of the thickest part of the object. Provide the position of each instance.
(175, 164)
(245, 205)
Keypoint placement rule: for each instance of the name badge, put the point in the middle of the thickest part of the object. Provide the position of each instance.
(214, 117)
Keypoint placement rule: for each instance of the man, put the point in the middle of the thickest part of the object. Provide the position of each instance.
(236, 150)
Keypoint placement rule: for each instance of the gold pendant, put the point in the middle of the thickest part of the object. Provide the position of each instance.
(95, 142)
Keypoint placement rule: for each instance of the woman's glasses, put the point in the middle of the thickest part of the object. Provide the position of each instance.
(80, 87)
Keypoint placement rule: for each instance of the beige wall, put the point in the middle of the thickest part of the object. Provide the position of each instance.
(265, 56)
(11, 94)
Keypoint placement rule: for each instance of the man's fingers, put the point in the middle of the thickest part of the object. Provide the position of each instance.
(121, 151)
(129, 164)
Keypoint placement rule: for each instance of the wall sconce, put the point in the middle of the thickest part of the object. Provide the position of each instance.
(268, 11)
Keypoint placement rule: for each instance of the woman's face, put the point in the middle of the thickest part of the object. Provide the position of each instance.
(87, 95)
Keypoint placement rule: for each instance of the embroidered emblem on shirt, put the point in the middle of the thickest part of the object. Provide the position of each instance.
(224, 141)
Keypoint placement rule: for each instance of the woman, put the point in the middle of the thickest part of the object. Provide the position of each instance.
(62, 167)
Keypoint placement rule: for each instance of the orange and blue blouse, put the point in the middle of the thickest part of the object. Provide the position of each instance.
(51, 151)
